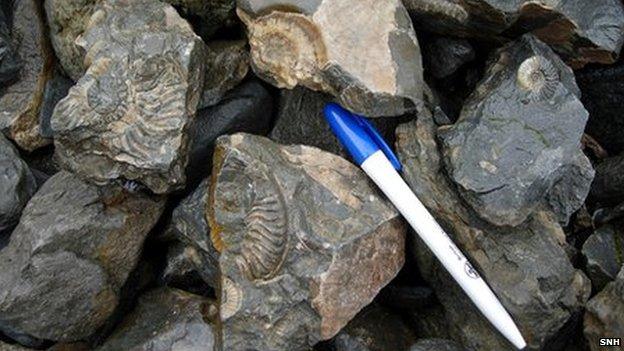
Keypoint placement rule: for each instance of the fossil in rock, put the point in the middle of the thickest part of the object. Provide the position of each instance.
(231, 298)
(537, 75)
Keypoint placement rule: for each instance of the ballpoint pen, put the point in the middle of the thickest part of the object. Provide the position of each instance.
(374, 156)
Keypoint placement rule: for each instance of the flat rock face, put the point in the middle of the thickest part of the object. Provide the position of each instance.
(302, 43)
(20, 102)
(226, 66)
(526, 266)
(603, 317)
(166, 319)
(129, 116)
(580, 31)
(10, 64)
(17, 185)
(516, 144)
(75, 246)
(603, 253)
(305, 241)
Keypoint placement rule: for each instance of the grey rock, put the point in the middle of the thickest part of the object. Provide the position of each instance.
(579, 31)
(12, 347)
(305, 241)
(10, 63)
(608, 185)
(526, 266)
(212, 15)
(17, 185)
(295, 42)
(226, 66)
(55, 90)
(443, 56)
(516, 144)
(435, 345)
(602, 90)
(375, 329)
(129, 116)
(166, 319)
(69, 257)
(604, 252)
(300, 120)
(20, 102)
(248, 108)
(182, 270)
(603, 316)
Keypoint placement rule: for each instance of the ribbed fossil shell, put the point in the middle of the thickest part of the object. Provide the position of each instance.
(538, 75)
(231, 298)
(289, 46)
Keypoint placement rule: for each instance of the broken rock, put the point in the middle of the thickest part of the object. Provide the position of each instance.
(603, 317)
(226, 66)
(306, 242)
(603, 251)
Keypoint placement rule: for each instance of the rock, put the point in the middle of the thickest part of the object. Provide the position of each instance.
(407, 297)
(166, 319)
(69, 257)
(608, 185)
(435, 345)
(55, 90)
(129, 116)
(10, 63)
(189, 225)
(526, 266)
(375, 329)
(20, 102)
(516, 143)
(17, 185)
(443, 56)
(300, 120)
(248, 108)
(212, 15)
(602, 90)
(12, 347)
(603, 316)
(226, 66)
(296, 42)
(579, 32)
(305, 240)
(182, 270)
(604, 252)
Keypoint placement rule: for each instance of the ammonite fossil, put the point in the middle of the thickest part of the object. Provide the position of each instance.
(231, 298)
(539, 76)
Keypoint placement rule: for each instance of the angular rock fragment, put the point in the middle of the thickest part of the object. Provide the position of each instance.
(370, 59)
(182, 270)
(443, 56)
(226, 66)
(212, 15)
(603, 316)
(166, 319)
(516, 144)
(608, 185)
(129, 116)
(604, 252)
(435, 345)
(526, 266)
(248, 108)
(305, 241)
(602, 89)
(69, 257)
(300, 120)
(20, 102)
(55, 90)
(375, 329)
(17, 185)
(10, 64)
(12, 347)
(580, 32)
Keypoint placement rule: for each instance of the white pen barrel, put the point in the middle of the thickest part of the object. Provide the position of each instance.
(380, 170)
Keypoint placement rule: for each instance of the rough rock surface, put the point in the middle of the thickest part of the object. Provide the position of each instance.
(248, 108)
(300, 120)
(443, 56)
(166, 319)
(608, 185)
(10, 64)
(75, 246)
(20, 102)
(435, 345)
(55, 90)
(182, 270)
(602, 89)
(375, 329)
(226, 66)
(526, 266)
(17, 185)
(212, 15)
(12, 347)
(580, 31)
(305, 242)
(516, 144)
(604, 252)
(300, 42)
(603, 317)
(129, 116)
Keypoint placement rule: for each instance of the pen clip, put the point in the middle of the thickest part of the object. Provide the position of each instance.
(379, 140)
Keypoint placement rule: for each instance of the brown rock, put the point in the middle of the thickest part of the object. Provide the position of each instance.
(603, 318)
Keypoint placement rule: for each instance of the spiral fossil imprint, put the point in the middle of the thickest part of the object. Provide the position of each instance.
(539, 76)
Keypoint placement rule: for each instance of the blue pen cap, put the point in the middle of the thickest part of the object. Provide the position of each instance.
(358, 135)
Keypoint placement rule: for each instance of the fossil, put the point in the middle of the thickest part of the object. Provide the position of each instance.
(537, 75)
(231, 298)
